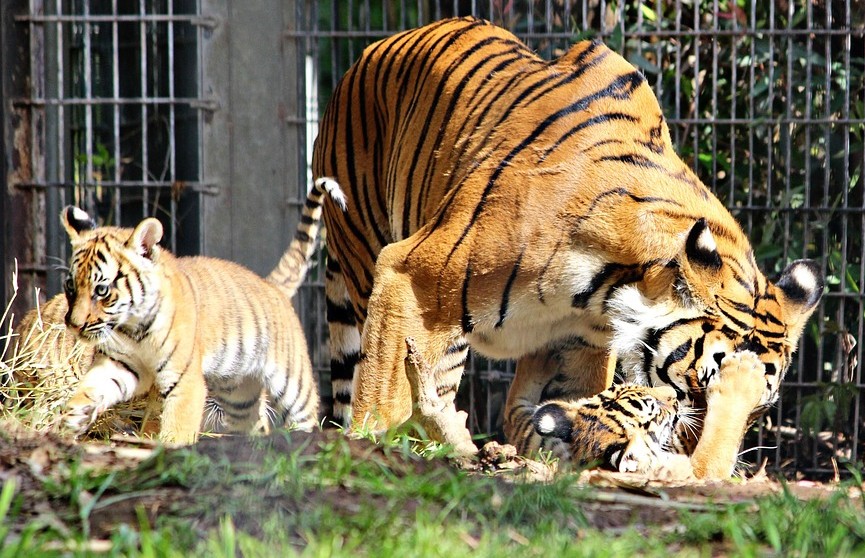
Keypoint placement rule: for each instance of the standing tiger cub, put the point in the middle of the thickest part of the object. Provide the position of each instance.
(537, 210)
(154, 318)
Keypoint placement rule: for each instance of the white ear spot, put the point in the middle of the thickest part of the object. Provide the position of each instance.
(804, 278)
(706, 241)
(79, 214)
(546, 424)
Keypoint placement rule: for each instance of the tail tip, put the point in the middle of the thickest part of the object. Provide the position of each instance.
(333, 189)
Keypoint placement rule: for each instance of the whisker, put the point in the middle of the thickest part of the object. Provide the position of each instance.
(756, 448)
(647, 347)
(214, 416)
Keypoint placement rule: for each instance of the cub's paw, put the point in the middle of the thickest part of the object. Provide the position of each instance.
(81, 412)
(673, 467)
(638, 457)
(741, 377)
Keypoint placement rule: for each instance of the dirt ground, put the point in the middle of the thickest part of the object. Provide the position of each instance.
(618, 500)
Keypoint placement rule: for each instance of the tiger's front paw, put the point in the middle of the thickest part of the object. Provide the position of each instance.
(673, 467)
(741, 378)
(81, 412)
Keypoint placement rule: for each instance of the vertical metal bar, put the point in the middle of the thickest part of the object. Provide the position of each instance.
(200, 125)
(790, 127)
(836, 376)
(367, 10)
(806, 154)
(734, 96)
(697, 86)
(172, 125)
(677, 79)
(845, 114)
(88, 95)
(115, 91)
(714, 96)
(60, 93)
(770, 148)
(788, 168)
(622, 28)
(585, 15)
(640, 28)
(142, 61)
(752, 115)
(659, 54)
(50, 86)
(334, 51)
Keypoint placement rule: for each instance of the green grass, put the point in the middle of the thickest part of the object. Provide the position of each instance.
(289, 495)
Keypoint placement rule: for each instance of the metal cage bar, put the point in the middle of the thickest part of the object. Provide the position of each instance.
(107, 128)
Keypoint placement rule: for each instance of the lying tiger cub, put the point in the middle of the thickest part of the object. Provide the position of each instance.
(627, 428)
(155, 319)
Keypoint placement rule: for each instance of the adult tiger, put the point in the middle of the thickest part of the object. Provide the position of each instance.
(536, 210)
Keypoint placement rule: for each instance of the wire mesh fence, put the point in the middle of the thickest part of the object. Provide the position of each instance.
(764, 100)
(113, 118)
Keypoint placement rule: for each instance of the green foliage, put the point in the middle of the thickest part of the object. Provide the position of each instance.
(828, 408)
(784, 525)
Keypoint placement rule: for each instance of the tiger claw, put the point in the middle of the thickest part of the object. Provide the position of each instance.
(79, 418)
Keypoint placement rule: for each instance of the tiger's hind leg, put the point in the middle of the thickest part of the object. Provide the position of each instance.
(570, 373)
(344, 342)
(292, 388)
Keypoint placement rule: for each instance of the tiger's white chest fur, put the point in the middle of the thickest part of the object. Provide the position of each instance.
(545, 314)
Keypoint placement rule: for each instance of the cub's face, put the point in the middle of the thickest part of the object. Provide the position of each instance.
(717, 306)
(110, 284)
(625, 427)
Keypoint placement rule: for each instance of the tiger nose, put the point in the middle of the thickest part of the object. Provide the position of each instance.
(665, 394)
(70, 323)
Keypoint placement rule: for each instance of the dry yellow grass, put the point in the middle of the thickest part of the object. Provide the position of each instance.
(41, 361)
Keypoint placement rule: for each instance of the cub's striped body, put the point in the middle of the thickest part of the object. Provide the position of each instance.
(155, 319)
(536, 210)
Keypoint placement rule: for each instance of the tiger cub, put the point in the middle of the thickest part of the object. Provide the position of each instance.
(626, 428)
(178, 322)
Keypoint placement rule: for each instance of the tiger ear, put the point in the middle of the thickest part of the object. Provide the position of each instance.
(800, 288)
(700, 248)
(551, 420)
(700, 265)
(75, 220)
(145, 236)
